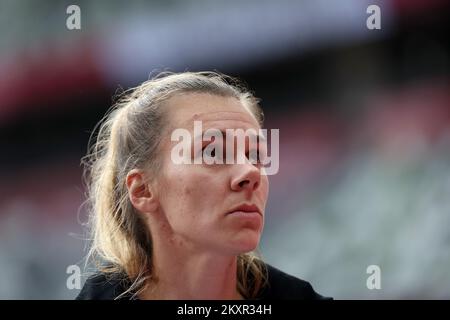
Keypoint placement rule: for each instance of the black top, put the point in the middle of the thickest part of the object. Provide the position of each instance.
(280, 286)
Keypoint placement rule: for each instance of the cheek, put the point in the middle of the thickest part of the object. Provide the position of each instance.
(176, 196)
(184, 189)
(198, 189)
(264, 187)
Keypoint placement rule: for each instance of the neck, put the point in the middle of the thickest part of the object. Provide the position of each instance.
(184, 274)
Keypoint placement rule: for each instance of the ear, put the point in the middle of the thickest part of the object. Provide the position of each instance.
(140, 193)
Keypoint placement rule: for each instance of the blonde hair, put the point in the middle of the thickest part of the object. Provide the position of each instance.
(129, 137)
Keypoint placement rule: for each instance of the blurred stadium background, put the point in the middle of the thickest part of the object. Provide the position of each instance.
(364, 119)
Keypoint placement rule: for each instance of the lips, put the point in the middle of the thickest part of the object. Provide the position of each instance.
(246, 208)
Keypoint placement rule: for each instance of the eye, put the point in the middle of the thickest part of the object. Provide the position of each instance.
(253, 155)
(213, 151)
(204, 147)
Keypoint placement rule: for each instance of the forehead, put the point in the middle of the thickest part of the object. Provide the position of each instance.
(213, 110)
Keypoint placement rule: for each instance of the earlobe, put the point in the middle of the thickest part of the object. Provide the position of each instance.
(139, 192)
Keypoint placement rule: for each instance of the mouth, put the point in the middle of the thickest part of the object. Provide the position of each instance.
(246, 208)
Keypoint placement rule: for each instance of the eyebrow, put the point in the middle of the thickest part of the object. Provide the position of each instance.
(259, 137)
(214, 112)
(196, 116)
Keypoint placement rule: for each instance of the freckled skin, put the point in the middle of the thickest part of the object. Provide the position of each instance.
(196, 197)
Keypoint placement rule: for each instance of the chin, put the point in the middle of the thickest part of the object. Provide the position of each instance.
(246, 242)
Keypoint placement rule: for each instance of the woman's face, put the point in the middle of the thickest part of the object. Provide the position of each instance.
(196, 199)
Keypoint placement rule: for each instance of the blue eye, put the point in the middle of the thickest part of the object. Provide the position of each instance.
(252, 155)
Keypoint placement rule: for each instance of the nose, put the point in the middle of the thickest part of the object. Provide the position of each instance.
(247, 177)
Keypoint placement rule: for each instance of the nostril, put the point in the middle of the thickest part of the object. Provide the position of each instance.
(243, 183)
